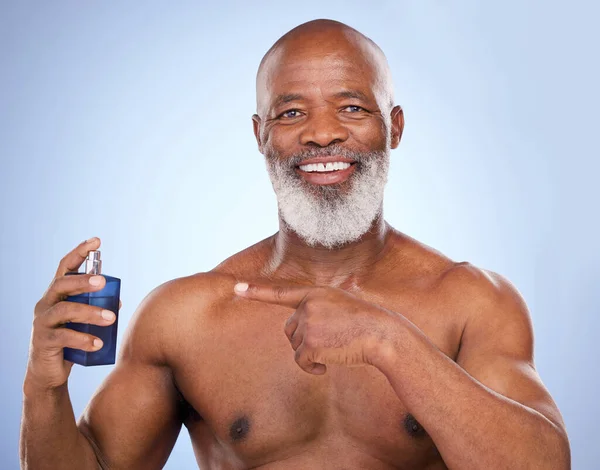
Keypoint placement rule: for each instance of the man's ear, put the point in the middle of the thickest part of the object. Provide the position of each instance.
(397, 116)
(256, 127)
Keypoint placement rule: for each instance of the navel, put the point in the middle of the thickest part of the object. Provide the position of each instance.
(239, 429)
(412, 427)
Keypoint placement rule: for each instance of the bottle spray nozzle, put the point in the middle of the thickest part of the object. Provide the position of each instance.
(93, 263)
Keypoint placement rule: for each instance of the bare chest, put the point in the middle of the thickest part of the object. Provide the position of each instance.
(255, 405)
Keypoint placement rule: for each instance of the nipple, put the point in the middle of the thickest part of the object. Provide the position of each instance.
(412, 426)
(239, 429)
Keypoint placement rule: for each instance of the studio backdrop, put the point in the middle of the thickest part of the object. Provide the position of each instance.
(131, 121)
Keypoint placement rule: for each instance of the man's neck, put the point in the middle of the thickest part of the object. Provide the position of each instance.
(291, 258)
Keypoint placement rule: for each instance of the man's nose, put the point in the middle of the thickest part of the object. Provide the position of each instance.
(323, 128)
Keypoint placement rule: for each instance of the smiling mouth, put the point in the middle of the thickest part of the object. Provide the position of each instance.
(325, 167)
(326, 173)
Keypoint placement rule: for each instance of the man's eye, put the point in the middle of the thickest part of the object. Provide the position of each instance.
(354, 109)
(292, 113)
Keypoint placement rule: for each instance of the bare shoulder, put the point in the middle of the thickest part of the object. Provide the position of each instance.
(168, 311)
(484, 281)
(485, 304)
(497, 324)
(183, 308)
(486, 295)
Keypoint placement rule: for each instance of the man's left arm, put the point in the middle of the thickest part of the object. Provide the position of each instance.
(489, 409)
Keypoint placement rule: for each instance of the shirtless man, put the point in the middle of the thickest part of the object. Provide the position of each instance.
(337, 343)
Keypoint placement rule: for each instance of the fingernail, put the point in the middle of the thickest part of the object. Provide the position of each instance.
(96, 280)
(241, 287)
(98, 343)
(90, 239)
(108, 315)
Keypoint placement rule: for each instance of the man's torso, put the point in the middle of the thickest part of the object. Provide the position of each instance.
(249, 405)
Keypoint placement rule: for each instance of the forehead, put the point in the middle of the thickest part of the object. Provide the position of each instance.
(322, 65)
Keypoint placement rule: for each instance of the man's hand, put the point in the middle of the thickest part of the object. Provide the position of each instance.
(47, 368)
(329, 326)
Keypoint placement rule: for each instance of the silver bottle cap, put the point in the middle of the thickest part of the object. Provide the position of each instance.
(93, 263)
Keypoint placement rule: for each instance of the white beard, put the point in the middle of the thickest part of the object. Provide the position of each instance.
(327, 215)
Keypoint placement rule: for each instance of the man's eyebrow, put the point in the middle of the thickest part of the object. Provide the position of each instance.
(289, 97)
(286, 98)
(359, 95)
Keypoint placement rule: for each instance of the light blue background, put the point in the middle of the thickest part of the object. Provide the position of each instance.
(131, 122)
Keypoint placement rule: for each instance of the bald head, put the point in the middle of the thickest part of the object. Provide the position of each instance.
(319, 45)
(324, 97)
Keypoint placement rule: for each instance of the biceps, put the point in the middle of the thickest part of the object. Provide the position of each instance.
(132, 419)
(515, 379)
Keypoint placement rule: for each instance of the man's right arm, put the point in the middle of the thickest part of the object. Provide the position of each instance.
(132, 420)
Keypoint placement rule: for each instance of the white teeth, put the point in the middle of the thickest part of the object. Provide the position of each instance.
(320, 167)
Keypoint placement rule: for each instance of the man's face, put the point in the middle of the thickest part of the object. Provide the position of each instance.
(325, 100)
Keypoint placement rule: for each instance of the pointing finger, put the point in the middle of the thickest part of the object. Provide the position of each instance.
(287, 296)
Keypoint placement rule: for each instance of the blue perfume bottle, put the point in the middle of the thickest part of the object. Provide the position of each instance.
(108, 298)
